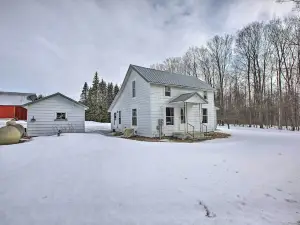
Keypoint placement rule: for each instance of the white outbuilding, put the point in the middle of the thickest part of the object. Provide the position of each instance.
(54, 113)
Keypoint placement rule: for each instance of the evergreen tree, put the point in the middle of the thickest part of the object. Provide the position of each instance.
(94, 100)
(110, 94)
(103, 101)
(116, 90)
(84, 94)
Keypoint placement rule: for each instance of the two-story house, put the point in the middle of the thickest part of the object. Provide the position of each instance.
(155, 103)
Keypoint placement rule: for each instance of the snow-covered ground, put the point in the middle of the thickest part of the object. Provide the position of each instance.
(91, 126)
(22, 122)
(251, 178)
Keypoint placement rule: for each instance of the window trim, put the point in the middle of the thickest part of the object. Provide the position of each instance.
(205, 95)
(136, 117)
(133, 88)
(206, 116)
(120, 117)
(182, 116)
(57, 119)
(172, 116)
(168, 91)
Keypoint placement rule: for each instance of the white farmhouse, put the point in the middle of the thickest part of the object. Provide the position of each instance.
(155, 103)
(48, 115)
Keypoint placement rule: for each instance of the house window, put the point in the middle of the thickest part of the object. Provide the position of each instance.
(115, 117)
(119, 117)
(204, 116)
(205, 94)
(61, 116)
(134, 117)
(182, 115)
(169, 116)
(168, 91)
(133, 88)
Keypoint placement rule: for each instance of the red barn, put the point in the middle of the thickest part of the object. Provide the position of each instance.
(11, 104)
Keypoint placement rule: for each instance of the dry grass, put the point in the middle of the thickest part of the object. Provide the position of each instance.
(215, 135)
(208, 136)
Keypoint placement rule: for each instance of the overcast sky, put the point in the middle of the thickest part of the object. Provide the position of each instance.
(55, 46)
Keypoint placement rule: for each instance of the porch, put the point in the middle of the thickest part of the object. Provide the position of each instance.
(190, 118)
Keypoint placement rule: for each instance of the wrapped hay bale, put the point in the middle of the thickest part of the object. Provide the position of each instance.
(20, 128)
(128, 132)
(11, 123)
(9, 135)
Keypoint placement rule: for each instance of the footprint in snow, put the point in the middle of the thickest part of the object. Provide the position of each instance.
(290, 200)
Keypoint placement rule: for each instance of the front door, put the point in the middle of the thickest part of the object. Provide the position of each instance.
(182, 119)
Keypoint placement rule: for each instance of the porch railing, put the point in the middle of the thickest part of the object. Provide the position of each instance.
(203, 128)
(190, 130)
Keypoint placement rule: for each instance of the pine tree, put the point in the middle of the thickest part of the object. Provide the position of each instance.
(116, 90)
(110, 94)
(84, 94)
(110, 97)
(103, 101)
(94, 100)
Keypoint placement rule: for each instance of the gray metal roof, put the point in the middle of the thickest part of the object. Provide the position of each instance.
(172, 79)
(56, 94)
(185, 97)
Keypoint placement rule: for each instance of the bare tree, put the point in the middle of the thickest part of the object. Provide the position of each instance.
(220, 48)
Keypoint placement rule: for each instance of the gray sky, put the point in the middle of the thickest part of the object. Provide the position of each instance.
(49, 46)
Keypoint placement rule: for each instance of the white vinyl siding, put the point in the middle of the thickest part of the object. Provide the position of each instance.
(127, 102)
(159, 102)
(45, 114)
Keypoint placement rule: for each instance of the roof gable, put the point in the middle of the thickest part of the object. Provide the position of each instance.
(53, 95)
(162, 78)
(172, 79)
(185, 97)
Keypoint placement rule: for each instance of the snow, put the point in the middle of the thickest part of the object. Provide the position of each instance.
(22, 122)
(91, 126)
(251, 178)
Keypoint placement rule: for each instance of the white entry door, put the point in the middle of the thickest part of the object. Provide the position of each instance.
(182, 119)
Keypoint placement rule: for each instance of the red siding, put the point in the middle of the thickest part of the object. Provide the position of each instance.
(13, 112)
(7, 111)
(21, 113)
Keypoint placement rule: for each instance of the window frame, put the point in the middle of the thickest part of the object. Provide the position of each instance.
(205, 95)
(134, 117)
(204, 115)
(59, 119)
(120, 119)
(115, 118)
(182, 116)
(171, 109)
(133, 88)
(168, 91)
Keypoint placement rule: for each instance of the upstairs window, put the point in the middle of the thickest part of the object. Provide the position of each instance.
(133, 89)
(204, 116)
(61, 116)
(134, 117)
(169, 116)
(167, 91)
(205, 94)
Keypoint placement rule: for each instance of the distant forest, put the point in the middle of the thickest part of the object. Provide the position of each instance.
(98, 97)
(256, 72)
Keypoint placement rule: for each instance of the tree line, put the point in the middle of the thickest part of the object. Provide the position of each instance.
(98, 97)
(256, 72)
